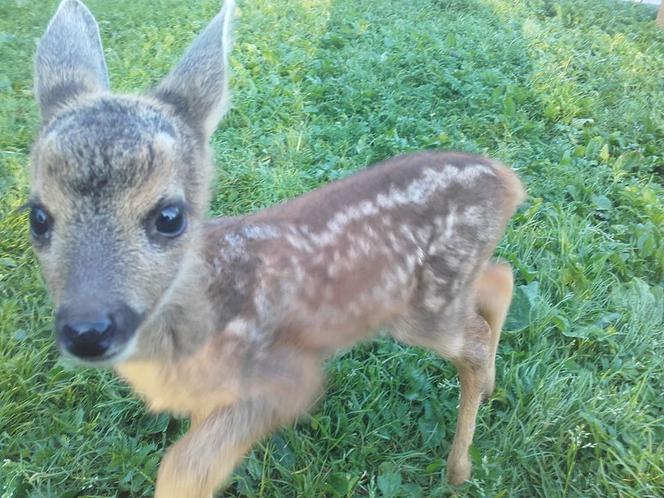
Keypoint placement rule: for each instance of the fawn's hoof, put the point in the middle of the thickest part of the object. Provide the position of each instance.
(458, 472)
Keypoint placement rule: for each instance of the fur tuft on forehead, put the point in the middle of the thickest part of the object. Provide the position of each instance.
(110, 144)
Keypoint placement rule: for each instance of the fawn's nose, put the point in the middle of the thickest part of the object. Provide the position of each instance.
(87, 337)
(96, 333)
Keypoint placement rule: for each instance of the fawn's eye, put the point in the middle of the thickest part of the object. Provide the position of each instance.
(40, 222)
(170, 221)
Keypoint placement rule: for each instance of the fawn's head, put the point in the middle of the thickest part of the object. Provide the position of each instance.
(119, 183)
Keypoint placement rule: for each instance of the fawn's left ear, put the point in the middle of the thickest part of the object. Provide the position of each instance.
(70, 61)
(198, 86)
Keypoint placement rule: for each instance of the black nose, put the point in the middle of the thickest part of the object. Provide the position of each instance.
(95, 331)
(87, 337)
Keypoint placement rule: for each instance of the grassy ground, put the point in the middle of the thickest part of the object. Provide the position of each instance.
(570, 93)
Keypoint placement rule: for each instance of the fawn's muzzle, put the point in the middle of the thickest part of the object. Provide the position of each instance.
(95, 335)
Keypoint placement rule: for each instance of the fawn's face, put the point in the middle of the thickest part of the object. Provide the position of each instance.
(119, 184)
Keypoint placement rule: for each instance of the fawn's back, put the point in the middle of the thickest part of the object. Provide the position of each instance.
(386, 246)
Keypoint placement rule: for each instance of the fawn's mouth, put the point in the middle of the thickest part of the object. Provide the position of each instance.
(116, 354)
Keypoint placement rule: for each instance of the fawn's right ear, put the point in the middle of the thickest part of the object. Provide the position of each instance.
(70, 61)
(197, 87)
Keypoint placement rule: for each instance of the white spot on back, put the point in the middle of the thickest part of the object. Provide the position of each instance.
(450, 221)
(418, 191)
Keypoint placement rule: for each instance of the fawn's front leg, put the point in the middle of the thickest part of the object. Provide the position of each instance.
(206, 456)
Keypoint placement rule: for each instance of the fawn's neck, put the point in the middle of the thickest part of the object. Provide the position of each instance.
(184, 319)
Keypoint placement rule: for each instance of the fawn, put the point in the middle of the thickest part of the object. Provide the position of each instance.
(229, 320)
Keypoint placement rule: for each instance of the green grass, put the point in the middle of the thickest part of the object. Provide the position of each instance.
(570, 93)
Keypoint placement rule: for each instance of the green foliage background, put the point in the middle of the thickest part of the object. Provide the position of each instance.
(570, 93)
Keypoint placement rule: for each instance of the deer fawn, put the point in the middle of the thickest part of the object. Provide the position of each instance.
(228, 320)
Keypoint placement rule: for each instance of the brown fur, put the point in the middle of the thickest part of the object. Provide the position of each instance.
(234, 317)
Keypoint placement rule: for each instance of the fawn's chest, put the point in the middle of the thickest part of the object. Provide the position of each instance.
(196, 384)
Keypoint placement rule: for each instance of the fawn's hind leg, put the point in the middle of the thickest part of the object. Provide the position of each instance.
(493, 297)
(472, 351)
(476, 364)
